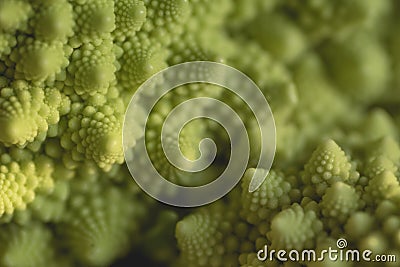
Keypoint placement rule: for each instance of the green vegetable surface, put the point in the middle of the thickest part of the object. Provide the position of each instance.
(330, 71)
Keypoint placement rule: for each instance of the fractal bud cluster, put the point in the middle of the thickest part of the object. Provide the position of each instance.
(330, 71)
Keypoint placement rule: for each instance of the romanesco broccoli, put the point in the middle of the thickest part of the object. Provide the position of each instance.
(330, 71)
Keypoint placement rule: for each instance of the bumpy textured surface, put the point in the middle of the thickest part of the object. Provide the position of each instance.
(267, 200)
(16, 187)
(207, 238)
(340, 200)
(92, 226)
(54, 22)
(38, 61)
(142, 58)
(327, 165)
(33, 242)
(92, 68)
(294, 229)
(129, 17)
(14, 15)
(27, 112)
(330, 71)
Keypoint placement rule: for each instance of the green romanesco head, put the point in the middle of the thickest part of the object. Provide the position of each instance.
(68, 69)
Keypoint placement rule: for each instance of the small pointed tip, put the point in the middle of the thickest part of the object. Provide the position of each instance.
(329, 142)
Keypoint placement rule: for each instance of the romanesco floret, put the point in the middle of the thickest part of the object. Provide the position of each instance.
(7, 41)
(294, 228)
(93, 133)
(281, 37)
(165, 19)
(27, 112)
(364, 83)
(382, 186)
(359, 224)
(27, 246)
(14, 15)
(92, 68)
(268, 200)
(206, 238)
(54, 22)
(142, 58)
(323, 19)
(327, 165)
(17, 186)
(94, 19)
(339, 201)
(20, 115)
(37, 61)
(129, 18)
(91, 226)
